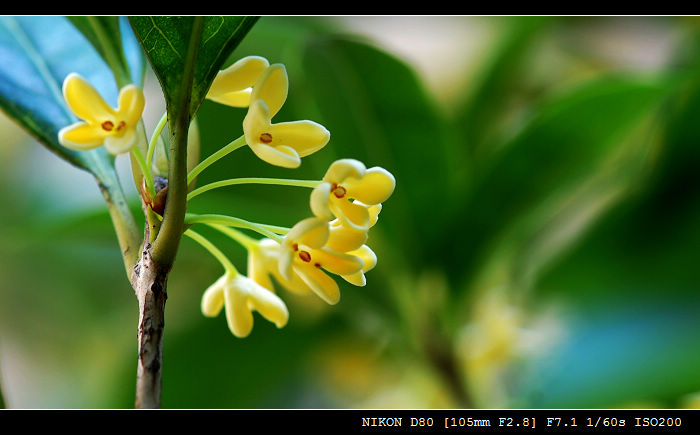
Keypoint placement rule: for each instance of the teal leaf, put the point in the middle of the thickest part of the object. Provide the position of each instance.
(38, 53)
(113, 39)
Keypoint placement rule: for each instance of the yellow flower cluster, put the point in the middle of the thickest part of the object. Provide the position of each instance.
(345, 204)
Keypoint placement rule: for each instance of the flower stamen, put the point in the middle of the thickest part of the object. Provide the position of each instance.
(121, 125)
(305, 256)
(339, 192)
(266, 138)
(107, 126)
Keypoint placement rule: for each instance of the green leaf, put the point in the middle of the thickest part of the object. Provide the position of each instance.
(38, 53)
(562, 146)
(379, 113)
(113, 39)
(496, 83)
(165, 41)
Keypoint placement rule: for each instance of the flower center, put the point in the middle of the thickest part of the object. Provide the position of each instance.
(338, 191)
(109, 126)
(266, 138)
(305, 256)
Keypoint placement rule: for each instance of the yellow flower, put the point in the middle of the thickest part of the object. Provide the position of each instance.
(348, 188)
(234, 85)
(344, 238)
(303, 252)
(282, 144)
(241, 295)
(263, 261)
(116, 129)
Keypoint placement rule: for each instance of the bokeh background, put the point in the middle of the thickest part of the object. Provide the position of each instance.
(540, 250)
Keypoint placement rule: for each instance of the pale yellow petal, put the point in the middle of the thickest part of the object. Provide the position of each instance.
(272, 87)
(344, 238)
(120, 144)
(336, 262)
(233, 99)
(374, 211)
(131, 104)
(237, 80)
(238, 315)
(349, 213)
(256, 122)
(284, 265)
(306, 137)
(320, 283)
(375, 187)
(213, 298)
(342, 169)
(368, 257)
(282, 156)
(319, 201)
(268, 304)
(257, 270)
(312, 232)
(357, 278)
(81, 136)
(84, 100)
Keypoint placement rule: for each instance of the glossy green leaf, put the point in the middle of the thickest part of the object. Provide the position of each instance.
(165, 41)
(38, 53)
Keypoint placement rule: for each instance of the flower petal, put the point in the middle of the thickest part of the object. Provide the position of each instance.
(344, 238)
(337, 262)
(342, 169)
(256, 121)
(283, 156)
(233, 85)
(375, 187)
(120, 144)
(85, 101)
(238, 315)
(131, 104)
(272, 87)
(213, 298)
(312, 232)
(319, 200)
(81, 136)
(268, 304)
(306, 137)
(368, 257)
(357, 278)
(350, 213)
(256, 269)
(323, 285)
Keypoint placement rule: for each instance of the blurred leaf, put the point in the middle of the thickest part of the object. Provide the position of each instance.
(496, 83)
(38, 53)
(165, 41)
(565, 143)
(378, 112)
(115, 47)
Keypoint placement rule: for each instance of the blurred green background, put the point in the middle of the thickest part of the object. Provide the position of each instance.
(540, 249)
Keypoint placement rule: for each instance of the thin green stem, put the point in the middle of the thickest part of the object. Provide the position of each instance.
(234, 181)
(166, 244)
(138, 156)
(231, 222)
(154, 139)
(247, 242)
(238, 143)
(209, 246)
